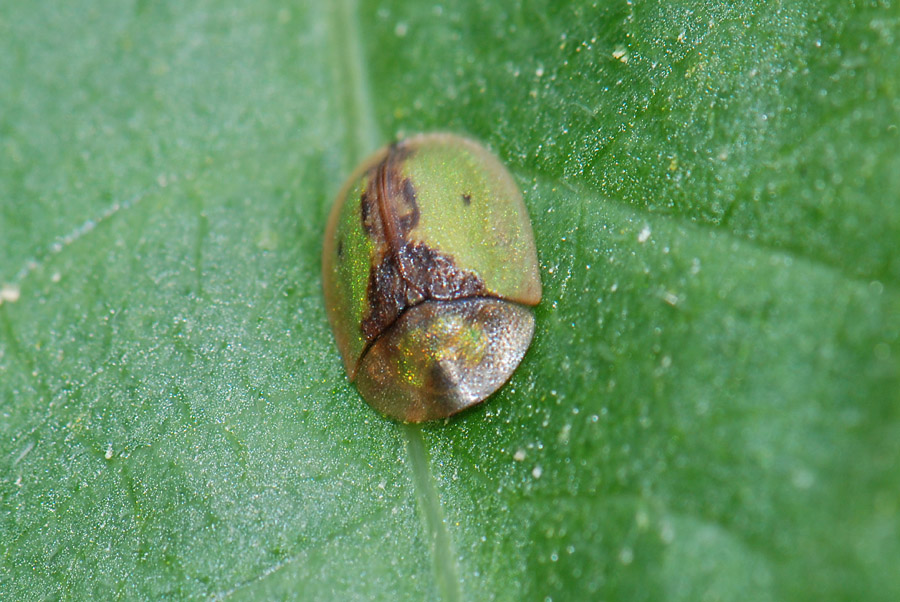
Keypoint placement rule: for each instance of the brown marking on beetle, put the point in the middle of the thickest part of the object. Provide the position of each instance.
(434, 275)
(400, 151)
(438, 379)
(396, 197)
(403, 274)
(409, 221)
(370, 212)
(416, 274)
(366, 212)
(387, 297)
(466, 199)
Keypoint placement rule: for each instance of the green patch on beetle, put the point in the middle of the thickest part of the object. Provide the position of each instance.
(428, 266)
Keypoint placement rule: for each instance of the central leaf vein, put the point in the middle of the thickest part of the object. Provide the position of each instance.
(361, 137)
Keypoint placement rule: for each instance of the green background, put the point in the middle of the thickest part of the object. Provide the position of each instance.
(710, 407)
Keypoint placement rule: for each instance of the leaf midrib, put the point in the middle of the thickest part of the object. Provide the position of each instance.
(361, 137)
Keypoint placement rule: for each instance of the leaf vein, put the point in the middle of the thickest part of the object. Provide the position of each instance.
(64, 242)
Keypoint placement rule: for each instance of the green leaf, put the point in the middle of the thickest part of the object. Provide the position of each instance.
(711, 405)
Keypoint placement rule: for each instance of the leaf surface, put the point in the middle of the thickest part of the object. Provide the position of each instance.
(709, 409)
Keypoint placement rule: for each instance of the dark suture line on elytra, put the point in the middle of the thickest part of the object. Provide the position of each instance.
(406, 275)
(388, 224)
(383, 292)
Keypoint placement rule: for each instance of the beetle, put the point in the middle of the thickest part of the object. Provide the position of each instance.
(429, 270)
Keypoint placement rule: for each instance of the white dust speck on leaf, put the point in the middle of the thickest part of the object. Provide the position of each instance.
(641, 519)
(537, 471)
(564, 434)
(803, 479)
(666, 533)
(695, 266)
(9, 293)
(519, 455)
(644, 234)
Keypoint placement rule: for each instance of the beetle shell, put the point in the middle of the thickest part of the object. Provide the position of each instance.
(428, 265)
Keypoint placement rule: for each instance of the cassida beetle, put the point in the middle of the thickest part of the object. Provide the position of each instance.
(429, 270)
